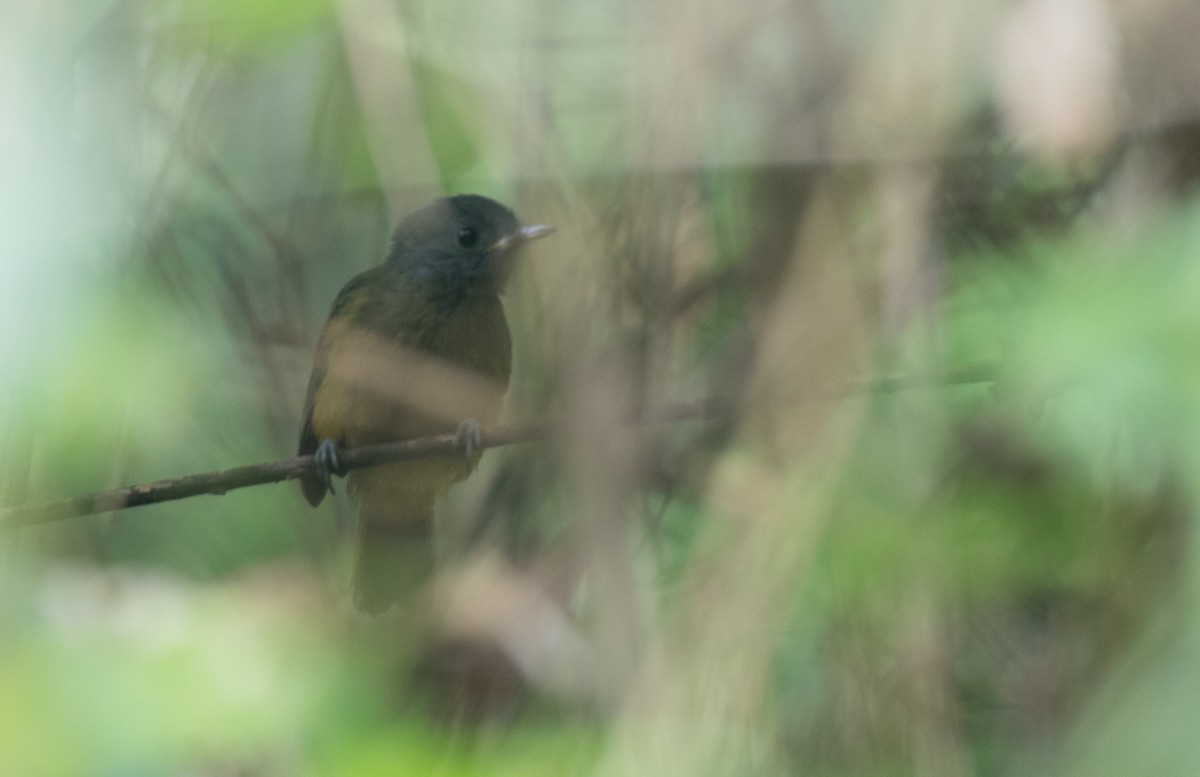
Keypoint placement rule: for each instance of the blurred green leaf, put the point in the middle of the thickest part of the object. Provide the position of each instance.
(246, 27)
(132, 674)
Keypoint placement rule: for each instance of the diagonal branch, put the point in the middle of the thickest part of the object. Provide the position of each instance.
(289, 469)
(438, 445)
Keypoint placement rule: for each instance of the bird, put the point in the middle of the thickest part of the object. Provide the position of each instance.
(418, 345)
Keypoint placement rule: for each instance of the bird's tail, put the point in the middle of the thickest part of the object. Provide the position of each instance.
(394, 553)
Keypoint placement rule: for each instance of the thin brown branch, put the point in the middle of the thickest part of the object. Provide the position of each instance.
(222, 481)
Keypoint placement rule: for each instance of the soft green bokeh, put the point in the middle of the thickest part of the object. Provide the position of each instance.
(999, 571)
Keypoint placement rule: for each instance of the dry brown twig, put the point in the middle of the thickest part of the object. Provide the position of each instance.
(222, 481)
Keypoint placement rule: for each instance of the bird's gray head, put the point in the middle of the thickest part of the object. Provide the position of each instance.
(459, 246)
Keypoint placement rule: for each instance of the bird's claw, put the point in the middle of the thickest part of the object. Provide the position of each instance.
(469, 437)
(328, 463)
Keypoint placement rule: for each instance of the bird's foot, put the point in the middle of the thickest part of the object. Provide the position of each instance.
(329, 462)
(469, 437)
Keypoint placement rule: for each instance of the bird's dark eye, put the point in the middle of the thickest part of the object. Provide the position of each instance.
(467, 237)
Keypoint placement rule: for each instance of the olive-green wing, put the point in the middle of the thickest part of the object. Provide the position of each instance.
(311, 485)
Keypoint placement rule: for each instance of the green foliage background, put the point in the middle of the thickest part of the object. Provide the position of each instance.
(944, 525)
